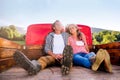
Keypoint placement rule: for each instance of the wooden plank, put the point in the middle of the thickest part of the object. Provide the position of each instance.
(33, 54)
(8, 44)
(114, 56)
(6, 55)
(113, 45)
(54, 73)
(112, 48)
(6, 63)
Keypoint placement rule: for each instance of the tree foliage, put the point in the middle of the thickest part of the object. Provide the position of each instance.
(10, 32)
(105, 36)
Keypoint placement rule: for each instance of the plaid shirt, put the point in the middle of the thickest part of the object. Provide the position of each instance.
(49, 41)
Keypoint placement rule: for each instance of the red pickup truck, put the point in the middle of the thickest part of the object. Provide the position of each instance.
(34, 42)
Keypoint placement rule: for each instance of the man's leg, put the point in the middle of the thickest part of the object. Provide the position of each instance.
(32, 67)
(67, 60)
(45, 61)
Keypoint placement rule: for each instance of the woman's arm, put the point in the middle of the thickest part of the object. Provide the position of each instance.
(84, 39)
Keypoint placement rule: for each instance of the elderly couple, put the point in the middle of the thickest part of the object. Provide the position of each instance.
(65, 48)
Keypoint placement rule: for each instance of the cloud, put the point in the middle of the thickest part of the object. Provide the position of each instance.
(4, 23)
(94, 13)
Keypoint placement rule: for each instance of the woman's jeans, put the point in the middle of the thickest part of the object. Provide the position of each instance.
(83, 59)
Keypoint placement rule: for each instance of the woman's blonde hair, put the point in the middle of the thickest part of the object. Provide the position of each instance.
(78, 31)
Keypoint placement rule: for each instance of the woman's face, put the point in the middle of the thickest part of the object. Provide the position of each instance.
(72, 29)
(58, 26)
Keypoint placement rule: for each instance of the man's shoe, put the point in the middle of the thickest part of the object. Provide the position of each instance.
(107, 63)
(67, 60)
(32, 67)
(100, 56)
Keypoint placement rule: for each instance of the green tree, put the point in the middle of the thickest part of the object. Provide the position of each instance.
(118, 37)
(12, 27)
(10, 32)
(105, 36)
(108, 38)
(4, 33)
(99, 38)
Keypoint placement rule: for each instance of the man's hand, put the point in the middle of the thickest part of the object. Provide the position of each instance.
(58, 56)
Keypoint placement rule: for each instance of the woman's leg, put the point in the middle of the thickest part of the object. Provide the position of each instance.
(89, 55)
(107, 62)
(100, 56)
(81, 61)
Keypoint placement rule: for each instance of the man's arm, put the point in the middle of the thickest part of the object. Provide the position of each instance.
(48, 48)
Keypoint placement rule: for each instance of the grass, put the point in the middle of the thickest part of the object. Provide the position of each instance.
(20, 42)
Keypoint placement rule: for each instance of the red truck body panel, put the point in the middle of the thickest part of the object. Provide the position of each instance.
(36, 33)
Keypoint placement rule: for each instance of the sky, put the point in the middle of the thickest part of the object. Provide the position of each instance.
(103, 14)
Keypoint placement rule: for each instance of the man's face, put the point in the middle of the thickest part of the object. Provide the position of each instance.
(58, 26)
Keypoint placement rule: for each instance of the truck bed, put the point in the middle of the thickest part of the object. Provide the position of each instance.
(54, 73)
